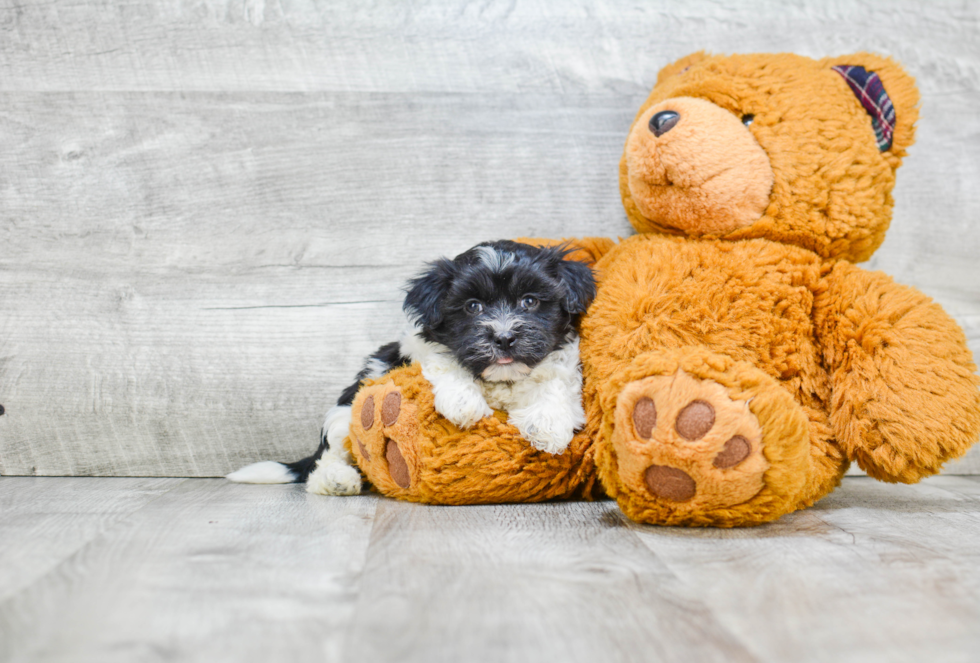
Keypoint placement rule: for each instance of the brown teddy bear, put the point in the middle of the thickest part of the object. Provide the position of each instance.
(735, 360)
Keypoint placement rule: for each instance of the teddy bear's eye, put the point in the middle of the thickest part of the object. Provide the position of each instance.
(747, 119)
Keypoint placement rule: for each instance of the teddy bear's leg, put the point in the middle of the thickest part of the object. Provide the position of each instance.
(905, 397)
(409, 451)
(704, 440)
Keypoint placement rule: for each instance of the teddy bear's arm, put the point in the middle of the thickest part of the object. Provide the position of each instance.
(584, 249)
(905, 391)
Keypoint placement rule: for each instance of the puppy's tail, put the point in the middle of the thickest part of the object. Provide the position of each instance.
(336, 428)
(268, 471)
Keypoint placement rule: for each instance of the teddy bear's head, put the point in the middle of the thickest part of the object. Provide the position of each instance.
(782, 147)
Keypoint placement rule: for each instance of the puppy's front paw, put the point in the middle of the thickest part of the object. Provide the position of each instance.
(332, 476)
(463, 408)
(545, 433)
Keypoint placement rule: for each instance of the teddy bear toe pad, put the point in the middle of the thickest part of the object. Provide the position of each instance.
(687, 443)
(384, 436)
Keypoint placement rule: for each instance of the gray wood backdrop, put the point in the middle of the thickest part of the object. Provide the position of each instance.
(207, 208)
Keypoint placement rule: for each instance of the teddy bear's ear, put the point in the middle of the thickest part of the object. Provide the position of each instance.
(887, 93)
(681, 65)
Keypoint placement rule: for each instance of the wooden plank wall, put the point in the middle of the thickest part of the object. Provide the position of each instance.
(207, 208)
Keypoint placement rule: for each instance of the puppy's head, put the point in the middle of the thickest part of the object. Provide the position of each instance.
(501, 307)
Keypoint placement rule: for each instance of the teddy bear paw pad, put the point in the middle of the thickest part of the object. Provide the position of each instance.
(687, 442)
(384, 435)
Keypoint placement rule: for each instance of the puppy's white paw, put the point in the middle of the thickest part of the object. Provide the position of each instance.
(543, 430)
(552, 442)
(332, 476)
(464, 408)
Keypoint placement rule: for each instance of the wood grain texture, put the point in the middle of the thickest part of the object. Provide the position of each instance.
(44, 522)
(593, 46)
(224, 284)
(207, 208)
(206, 570)
(492, 588)
(209, 571)
(871, 573)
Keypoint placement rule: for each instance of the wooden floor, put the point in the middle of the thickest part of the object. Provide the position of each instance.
(124, 569)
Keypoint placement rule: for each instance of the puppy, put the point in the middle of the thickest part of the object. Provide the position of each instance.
(493, 328)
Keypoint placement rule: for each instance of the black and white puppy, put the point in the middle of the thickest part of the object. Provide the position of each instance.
(493, 328)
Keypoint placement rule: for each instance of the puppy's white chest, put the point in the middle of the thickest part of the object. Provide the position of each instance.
(501, 395)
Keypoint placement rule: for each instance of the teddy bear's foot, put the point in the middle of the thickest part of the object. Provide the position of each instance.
(384, 439)
(694, 450)
(686, 441)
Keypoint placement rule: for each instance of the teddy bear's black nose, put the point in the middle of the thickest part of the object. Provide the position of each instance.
(663, 122)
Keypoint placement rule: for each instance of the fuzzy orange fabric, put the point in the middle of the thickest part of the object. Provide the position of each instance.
(735, 361)
(489, 463)
(831, 190)
(705, 176)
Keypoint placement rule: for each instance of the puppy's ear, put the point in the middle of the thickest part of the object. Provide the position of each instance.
(426, 292)
(578, 284)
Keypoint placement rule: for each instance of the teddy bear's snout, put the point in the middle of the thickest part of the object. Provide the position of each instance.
(695, 168)
(663, 122)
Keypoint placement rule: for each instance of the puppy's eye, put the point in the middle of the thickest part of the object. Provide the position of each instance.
(747, 119)
(473, 307)
(529, 303)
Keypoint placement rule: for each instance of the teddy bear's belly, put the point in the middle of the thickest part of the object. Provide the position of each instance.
(750, 300)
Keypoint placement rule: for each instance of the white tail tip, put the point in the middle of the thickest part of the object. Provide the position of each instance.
(266, 471)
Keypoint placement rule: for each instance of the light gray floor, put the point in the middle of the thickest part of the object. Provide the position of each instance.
(99, 569)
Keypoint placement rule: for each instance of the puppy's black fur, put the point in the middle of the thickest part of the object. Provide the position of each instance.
(498, 301)
(387, 356)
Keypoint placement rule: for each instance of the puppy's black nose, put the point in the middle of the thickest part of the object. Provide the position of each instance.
(505, 341)
(663, 122)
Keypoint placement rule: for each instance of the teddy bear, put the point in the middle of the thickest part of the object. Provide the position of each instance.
(735, 359)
